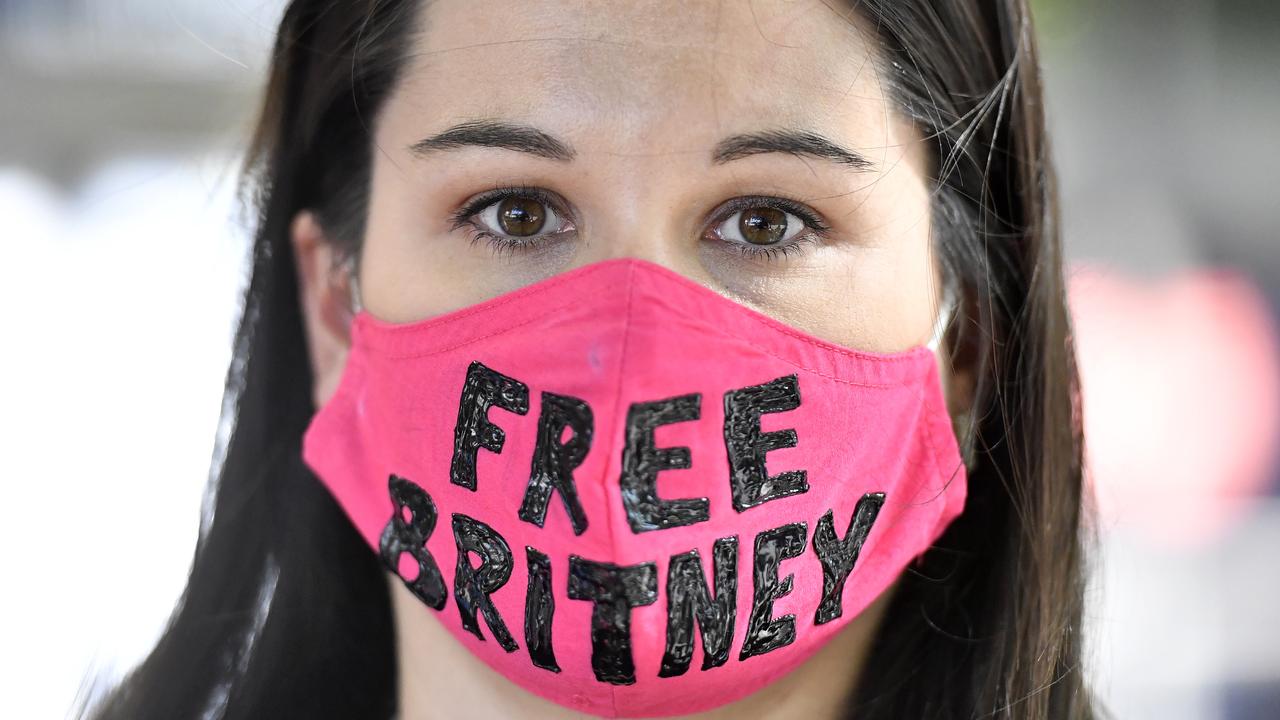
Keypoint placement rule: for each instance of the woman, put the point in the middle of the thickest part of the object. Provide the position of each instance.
(581, 193)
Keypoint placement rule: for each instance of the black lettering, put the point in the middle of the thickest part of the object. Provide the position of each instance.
(539, 609)
(747, 445)
(764, 632)
(472, 586)
(838, 556)
(615, 590)
(687, 595)
(553, 462)
(642, 460)
(482, 389)
(401, 536)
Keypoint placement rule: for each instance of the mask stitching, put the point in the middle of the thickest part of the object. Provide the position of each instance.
(792, 363)
(928, 407)
(719, 331)
(909, 506)
(617, 401)
(932, 411)
(352, 374)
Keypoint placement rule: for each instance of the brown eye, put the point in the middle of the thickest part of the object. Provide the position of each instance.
(521, 217)
(760, 226)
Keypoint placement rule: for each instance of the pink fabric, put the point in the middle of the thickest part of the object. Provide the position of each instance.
(615, 333)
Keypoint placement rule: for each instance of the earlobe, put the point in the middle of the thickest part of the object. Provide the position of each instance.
(324, 295)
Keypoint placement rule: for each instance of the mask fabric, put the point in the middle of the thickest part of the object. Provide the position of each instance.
(629, 494)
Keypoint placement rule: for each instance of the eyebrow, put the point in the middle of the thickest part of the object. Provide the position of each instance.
(532, 141)
(498, 134)
(790, 142)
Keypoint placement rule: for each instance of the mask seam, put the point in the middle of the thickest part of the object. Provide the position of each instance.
(617, 405)
(719, 331)
(925, 409)
(819, 373)
(352, 366)
(938, 412)
(928, 408)
(457, 346)
(931, 412)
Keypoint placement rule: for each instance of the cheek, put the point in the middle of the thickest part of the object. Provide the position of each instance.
(413, 266)
(396, 270)
(898, 282)
(876, 291)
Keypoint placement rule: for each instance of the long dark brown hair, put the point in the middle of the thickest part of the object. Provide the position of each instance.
(286, 612)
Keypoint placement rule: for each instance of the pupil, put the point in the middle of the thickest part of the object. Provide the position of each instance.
(520, 216)
(763, 226)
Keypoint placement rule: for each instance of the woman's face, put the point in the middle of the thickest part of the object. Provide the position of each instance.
(748, 146)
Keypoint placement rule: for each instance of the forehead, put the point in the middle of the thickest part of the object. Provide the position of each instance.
(645, 76)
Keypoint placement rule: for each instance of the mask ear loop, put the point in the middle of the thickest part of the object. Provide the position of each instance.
(353, 282)
(942, 322)
(962, 424)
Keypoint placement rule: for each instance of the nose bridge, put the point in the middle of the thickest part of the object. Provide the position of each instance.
(638, 212)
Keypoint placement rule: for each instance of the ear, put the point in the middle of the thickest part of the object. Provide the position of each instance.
(324, 292)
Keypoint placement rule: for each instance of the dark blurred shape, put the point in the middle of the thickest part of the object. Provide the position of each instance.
(1251, 701)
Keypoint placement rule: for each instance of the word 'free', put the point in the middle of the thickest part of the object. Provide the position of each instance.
(555, 459)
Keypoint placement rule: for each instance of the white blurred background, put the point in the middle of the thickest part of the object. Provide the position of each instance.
(120, 127)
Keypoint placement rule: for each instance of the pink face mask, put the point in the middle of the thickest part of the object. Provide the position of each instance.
(629, 494)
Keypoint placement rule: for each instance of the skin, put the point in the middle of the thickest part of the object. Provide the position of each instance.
(642, 92)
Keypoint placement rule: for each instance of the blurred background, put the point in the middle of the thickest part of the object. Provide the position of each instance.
(120, 127)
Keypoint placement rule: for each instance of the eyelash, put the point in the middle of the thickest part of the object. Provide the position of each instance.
(465, 216)
(816, 228)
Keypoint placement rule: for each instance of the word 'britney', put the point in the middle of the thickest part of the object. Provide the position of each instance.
(616, 589)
